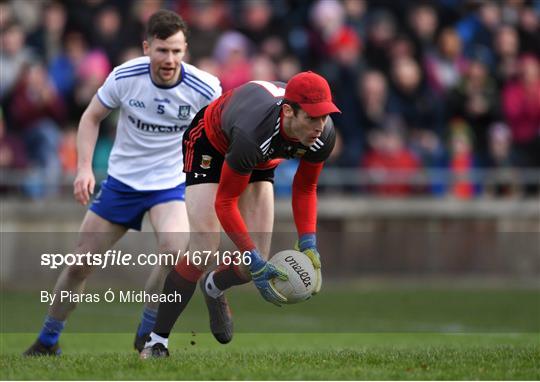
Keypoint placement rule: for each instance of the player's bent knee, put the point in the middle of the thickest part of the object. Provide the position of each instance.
(204, 223)
(170, 256)
(172, 242)
(205, 240)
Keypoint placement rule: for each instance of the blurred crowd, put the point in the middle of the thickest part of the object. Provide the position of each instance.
(450, 85)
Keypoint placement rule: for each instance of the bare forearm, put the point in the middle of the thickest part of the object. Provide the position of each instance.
(88, 133)
(86, 142)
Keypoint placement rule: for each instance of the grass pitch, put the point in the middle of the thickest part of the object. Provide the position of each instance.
(285, 356)
(346, 333)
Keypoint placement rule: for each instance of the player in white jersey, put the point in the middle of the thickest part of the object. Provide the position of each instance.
(157, 96)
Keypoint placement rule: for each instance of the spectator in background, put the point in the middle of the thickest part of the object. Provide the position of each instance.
(371, 112)
(450, 11)
(529, 30)
(26, 13)
(67, 151)
(63, 68)
(381, 34)
(79, 72)
(260, 22)
(14, 55)
(232, 53)
(419, 107)
(326, 19)
(38, 112)
(274, 47)
(423, 22)
(91, 73)
(6, 14)
(446, 64)
(342, 72)
(257, 23)
(403, 47)
(504, 180)
(337, 46)
(297, 25)
(263, 68)
(287, 67)
(461, 161)
(357, 16)
(206, 19)
(373, 107)
(475, 100)
(521, 107)
(389, 163)
(108, 33)
(36, 99)
(46, 40)
(477, 29)
(12, 149)
(82, 15)
(510, 11)
(506, 46)
(142, 10)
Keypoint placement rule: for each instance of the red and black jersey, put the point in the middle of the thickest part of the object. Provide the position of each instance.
(244, 125)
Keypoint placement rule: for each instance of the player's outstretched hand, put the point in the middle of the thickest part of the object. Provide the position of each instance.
(262, 273)
(308, 245)
(83, 186)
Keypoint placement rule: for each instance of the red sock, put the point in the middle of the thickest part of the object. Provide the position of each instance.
(188, 271)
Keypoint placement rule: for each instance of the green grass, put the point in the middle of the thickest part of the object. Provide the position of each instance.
(286, 356)
(349, 332)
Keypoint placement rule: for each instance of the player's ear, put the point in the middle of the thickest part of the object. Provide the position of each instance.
(287, 110)
(146, 47)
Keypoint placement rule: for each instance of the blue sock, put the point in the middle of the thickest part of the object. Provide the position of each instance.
(51, 331)
(148, 321)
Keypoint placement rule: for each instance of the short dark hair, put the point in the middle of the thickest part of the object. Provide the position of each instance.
(295, 106)
(163, 24)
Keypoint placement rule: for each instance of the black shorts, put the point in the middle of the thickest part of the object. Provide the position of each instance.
(203, 163)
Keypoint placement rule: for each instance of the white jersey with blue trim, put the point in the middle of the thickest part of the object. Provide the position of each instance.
(147, 151)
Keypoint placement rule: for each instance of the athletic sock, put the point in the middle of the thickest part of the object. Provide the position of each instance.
(227, 277)
(155, 339)
(183, 280)
(50, 333)
(148, 321)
